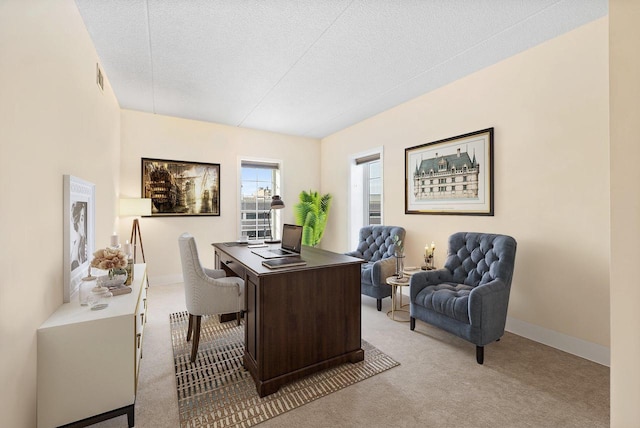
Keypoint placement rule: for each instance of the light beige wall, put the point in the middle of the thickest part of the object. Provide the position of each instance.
(624, 34)
(163, 137)
(549, 108)
(53, 121)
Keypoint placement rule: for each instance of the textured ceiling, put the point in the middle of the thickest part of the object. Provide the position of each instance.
(308, 67)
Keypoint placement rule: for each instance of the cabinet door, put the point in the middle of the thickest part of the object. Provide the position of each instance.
(84, 369)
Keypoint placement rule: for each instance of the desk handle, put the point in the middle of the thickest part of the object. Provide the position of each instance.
(228, 262)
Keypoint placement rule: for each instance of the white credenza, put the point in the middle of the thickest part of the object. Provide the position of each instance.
(88, 361)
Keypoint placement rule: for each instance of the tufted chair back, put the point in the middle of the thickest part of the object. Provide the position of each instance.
(192, 272)
(376, 242)
(478, 258)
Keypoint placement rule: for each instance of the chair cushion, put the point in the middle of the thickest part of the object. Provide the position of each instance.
(451, 300)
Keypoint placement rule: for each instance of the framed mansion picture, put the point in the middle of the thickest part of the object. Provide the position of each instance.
(451, 176)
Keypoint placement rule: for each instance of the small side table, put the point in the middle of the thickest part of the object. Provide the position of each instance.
(397, 284)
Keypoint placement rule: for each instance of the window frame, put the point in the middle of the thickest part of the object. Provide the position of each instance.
(356, 191)
(275, 217)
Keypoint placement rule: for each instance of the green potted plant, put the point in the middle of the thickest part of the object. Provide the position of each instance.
(311, 213)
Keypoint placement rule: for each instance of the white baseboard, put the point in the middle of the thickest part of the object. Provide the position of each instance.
(581, 348)
(165, 279)
(588, 350)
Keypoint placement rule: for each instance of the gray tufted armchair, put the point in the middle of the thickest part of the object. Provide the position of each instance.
(377, 249)
(470, 295)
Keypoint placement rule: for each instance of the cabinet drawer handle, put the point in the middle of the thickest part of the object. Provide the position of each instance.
(138, 337)
(228, 262)
(142, 318)
(144, 301)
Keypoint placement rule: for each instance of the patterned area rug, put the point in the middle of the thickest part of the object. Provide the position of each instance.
(216, 391)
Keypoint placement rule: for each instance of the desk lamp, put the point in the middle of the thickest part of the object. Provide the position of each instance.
(276, 204)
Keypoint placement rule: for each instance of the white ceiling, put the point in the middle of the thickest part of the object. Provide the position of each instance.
(308, 67)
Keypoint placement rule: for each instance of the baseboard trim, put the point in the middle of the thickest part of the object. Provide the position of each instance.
(165, 280)
(581, 348)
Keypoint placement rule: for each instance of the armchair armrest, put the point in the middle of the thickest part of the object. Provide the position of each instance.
(488, 304)
(214, 273)
(382, 269)
(420, 280)
(224, 293)
(356, 253)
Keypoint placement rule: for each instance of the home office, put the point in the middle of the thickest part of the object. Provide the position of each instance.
(550, 107)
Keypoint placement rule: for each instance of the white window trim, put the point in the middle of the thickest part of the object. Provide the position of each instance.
(279, 185)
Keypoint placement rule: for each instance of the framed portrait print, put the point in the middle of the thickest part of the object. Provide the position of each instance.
(451, 176)
(180, 188)
(79, 232)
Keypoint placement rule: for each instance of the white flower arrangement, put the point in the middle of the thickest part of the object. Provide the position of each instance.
(109, 259)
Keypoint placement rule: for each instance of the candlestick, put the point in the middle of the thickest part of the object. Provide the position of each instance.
(127, 249)
(115, 241)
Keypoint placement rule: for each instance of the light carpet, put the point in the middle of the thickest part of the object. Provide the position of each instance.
(216, 391)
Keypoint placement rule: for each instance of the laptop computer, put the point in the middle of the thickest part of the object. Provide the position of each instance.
(291, 243)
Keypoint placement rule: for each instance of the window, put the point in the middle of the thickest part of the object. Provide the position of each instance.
(259, 182)
(366, 193)
(372, 192)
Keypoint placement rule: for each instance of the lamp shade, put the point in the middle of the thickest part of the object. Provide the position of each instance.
(135, 207)
(276, 203)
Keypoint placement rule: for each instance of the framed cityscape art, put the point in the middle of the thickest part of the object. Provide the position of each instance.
(180, 188)
(451, 176)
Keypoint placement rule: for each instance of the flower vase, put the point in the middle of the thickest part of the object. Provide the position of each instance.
(115, 278)
(399, 266)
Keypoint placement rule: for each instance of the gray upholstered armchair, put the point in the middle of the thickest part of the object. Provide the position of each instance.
(207, 291)
(377, 249)
(470, 295)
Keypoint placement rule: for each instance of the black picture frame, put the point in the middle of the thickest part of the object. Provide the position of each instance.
(181, 188)
(453, 176)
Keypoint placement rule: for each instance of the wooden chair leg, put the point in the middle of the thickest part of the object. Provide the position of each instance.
(480, 354)
(412, 323)
(379, 304)
(239, 316)
(196, 338)
(190, 328)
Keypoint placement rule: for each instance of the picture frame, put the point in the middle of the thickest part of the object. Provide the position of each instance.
(79, 216)
(181, 188)
(453, 176)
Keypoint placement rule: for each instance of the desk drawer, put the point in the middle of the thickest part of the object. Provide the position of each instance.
(231, 265)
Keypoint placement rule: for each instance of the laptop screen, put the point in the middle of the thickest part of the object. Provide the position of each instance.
(291, 237)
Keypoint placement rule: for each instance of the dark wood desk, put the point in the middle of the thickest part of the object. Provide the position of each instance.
(299, 320)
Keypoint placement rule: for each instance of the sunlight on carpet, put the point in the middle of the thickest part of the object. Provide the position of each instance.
(216, 391)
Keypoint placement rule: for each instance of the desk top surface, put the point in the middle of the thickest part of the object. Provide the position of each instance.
(315, 258)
